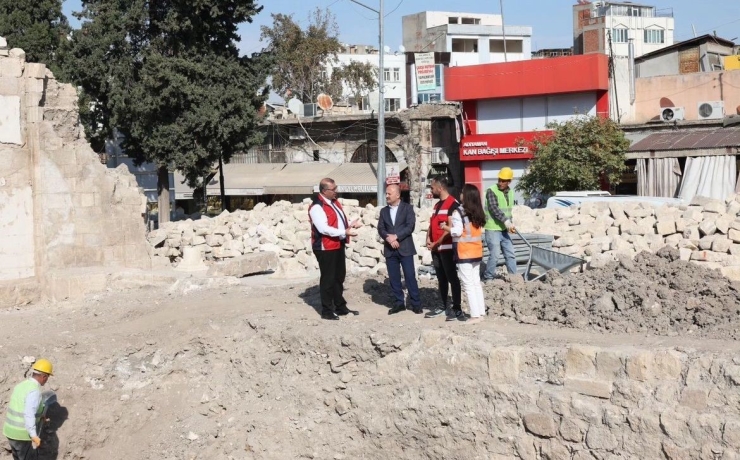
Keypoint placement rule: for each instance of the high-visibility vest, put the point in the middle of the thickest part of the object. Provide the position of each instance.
(320, 242)
(469, 244)
(15, 426)
(505, 203)
(442, 211)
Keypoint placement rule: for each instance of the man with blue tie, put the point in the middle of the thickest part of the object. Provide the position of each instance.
(395, 226)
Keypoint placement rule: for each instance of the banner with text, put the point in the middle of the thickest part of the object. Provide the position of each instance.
(425, 77)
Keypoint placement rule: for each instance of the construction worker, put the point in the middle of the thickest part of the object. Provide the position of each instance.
(499, 202)
(24, 411)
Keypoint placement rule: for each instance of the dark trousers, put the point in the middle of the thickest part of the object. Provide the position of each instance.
(333, 268)
(446, 269)
(395, 263)
(21, 449)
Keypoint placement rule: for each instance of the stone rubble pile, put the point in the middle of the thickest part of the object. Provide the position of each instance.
(706, 231)
(282, 228)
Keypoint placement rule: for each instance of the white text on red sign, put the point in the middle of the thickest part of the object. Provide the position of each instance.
(482, 148)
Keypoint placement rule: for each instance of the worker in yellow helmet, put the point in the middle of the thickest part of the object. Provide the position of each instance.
(25, 409)
(499, 203)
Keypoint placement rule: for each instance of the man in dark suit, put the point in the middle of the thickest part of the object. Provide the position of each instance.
(395, 227)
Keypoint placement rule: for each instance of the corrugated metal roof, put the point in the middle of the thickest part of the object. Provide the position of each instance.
(297, 178)
(688, 140)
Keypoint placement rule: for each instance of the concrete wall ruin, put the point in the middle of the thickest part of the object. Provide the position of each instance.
(61, 210)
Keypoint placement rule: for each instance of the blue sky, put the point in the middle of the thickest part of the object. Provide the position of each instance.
(551, 20)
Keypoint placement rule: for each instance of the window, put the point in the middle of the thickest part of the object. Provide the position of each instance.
(471, 21)
(654, 36)
(396, 74)
(392, 105)
(424, 98)
(453, 20)
(619, 35)
(364, 103)
(387, 74)
(438, 75)
(324, 75)
(464, 45)
(512, 46)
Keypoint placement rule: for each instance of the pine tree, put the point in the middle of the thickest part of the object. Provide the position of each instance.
(168, 76)
(38, 27)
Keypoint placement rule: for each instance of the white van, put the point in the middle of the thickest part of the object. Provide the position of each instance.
(566, 199)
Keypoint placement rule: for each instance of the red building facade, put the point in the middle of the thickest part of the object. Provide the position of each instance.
(506, 105)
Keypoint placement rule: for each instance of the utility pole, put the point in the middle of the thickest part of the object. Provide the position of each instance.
(503, 30)
(381, 101)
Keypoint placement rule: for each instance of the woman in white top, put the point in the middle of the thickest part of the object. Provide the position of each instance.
(466, 227)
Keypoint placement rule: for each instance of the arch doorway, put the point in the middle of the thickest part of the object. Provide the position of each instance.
(368, 153)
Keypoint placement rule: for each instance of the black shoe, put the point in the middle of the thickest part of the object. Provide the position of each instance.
(396, 309)
(434, 313)
(346, 311)
(330, 315)
(418, 310)
(457, 315)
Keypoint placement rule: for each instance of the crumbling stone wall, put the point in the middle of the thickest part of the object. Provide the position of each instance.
(60, 208)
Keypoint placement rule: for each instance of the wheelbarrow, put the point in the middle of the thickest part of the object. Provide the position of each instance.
(548, 259)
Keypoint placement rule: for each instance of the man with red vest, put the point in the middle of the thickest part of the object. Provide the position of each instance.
(330, 232)
(439, 242)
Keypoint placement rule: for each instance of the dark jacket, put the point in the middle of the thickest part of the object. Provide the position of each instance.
(403, 229)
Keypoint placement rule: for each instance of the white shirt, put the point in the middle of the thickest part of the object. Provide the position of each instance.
(457, 224)
(33, 399)
(394, 210)
(320, 221)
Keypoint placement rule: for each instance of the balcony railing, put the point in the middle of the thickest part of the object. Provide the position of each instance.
(631, 11)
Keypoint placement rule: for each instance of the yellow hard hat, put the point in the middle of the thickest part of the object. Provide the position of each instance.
(506, 174)
(43, 365)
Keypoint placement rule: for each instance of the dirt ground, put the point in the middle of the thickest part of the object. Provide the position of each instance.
(247, 370)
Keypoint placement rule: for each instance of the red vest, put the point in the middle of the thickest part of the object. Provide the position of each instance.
(442, 211)
(320, 242)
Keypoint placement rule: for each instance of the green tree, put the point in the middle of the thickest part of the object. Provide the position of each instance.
(38, 27)
(167, 75)
(577, 155)
(358, 77)
(301, 56)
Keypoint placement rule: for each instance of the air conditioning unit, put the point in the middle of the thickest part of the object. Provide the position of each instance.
(309, 110)
(297, 134)
(672, 114)
(439, 156)
(711, 110)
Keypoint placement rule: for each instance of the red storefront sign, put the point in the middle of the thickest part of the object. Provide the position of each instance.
(503, 146)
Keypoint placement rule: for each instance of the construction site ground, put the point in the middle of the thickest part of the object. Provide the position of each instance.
(242, 369)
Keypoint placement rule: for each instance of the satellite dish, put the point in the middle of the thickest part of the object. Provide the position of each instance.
(387, 49)
(324, 102)
(295, 106)
(401, 49)
(373, 99)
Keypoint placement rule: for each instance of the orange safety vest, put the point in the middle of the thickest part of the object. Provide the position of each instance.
(469, 245)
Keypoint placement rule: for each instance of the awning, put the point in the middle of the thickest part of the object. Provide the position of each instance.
(244, 179)
(182, 191)
(359, 177)
(297, 178)
(700, 142)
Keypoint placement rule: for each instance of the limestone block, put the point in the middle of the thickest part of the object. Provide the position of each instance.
(504, 365)
(620, 246)
(601, 438)
(566, 213)
(600, 261)
(608, 364)
(221, 252)
(734, 235)
(694, 398)
(236, 231)
(721, 245)
(214, 240)
(268, 238)
(367, 261)
(666, 227)
(722, 223)
(12, 67)
(693, 213)
(540, 424)
(370, 252)
(707, 256)
(627, 227)
(667, 365)
(612, 231)
(638, 366)
(708, 227)
(197, 240)
(563, 242)
(249, 264)
(596, 388)
(673, 240)
(707, 242)
(571, 430)
(690, 244)
(685, 254)
(10, 120)
(234, 245)
(735, 250)
(733, 208)
(10, 86)
(580, 360)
